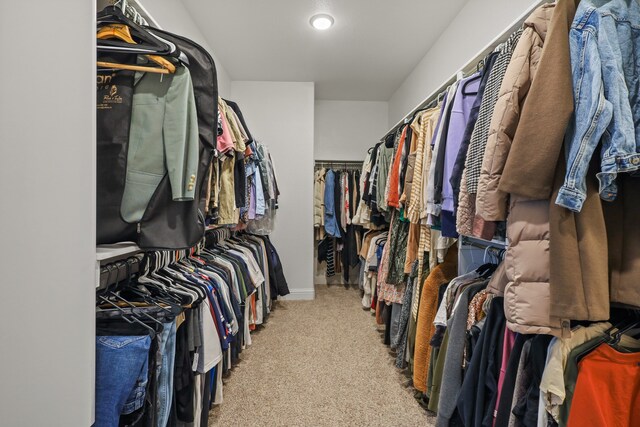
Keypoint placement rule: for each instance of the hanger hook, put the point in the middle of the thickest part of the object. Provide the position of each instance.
(484, 256)
(128, 267)
(117, 266)
(109, 269)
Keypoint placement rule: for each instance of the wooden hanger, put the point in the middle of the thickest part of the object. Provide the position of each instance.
(121, 32)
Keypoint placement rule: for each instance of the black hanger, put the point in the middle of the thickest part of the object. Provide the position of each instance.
(630, 321)
(468, 81)
(135, 310)
(111, 293)
(126, 316)
(148, 43)
(615, 338)
(486, 270)
(109, 271)
(161, 294)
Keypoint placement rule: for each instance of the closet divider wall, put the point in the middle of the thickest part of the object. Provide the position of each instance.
(467, 254)
(47, 174)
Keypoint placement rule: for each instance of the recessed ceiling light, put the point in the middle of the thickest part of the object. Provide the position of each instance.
(321, 21)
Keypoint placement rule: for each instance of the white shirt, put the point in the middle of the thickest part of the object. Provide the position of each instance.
(210, 351)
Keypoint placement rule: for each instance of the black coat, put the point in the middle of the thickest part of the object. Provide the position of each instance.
(277, 281)
(508, 386)
(478, 395)
(526, 409)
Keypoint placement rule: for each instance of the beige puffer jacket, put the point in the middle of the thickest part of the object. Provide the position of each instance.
(527, 295)
(491, 203)
(498, 281)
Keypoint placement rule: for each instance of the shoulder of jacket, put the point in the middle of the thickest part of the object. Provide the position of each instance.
(587, 17)
(529, 39)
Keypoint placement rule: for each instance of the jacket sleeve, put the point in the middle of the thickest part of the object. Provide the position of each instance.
(491, 203)
(592, 116)
(181, 138)
(537, 144)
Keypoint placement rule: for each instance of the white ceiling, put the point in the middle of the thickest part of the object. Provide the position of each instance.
(373, 46)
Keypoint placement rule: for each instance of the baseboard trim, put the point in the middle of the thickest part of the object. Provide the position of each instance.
(302, 295)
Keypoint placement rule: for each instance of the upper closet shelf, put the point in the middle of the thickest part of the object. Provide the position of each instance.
(106, 253)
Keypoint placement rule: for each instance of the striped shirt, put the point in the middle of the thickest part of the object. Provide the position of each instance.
(480, 134)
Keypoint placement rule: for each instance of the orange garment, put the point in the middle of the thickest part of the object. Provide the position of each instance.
(441, 274)
(408, 177)
(607, 392)
(394, 174)
(252, 324)
(412, 247)
(379, 307)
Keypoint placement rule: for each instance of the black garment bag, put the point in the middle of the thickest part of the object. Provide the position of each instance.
(113, 118)
(177, 225)
(166, 224)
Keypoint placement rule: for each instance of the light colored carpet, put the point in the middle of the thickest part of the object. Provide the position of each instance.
(319, 363)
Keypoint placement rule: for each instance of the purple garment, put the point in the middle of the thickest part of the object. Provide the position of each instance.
(462, 104)
(252, 201)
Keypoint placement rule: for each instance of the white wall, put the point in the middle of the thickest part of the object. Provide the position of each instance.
(47, 218)
(280, 114)
(344, 130)
(477, 24)
(173, 16)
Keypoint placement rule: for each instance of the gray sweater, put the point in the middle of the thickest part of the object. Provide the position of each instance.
(452, 374)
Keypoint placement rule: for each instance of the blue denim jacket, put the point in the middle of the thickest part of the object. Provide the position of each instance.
(330, 221)
(605, 58)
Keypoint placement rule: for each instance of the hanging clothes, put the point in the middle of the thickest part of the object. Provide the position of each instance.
(527, 228)
(460, 115)
(214, 299)
(475, 153)
(478, 353)
(425, 329)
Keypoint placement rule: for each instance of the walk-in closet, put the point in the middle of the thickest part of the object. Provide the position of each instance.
(320, 213)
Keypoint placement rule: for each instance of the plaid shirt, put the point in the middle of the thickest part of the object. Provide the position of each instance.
(480, 134)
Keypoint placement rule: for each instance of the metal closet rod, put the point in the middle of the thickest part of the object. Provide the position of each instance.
(340, 161)
(345, 163)
(136, 11)
(481, 243)
(470, 66)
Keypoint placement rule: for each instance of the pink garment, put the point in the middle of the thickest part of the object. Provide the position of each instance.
(345, 194)
(509, 341)
(385, 291)
(224, 142)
